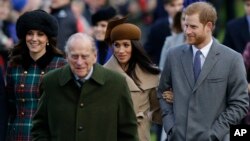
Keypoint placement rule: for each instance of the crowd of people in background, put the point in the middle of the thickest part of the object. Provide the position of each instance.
(136, 40)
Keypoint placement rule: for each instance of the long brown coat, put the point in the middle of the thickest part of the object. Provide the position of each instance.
(146, 105)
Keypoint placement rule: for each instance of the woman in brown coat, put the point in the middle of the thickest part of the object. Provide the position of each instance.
(142, 76)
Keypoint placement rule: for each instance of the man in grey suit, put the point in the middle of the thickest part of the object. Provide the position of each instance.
(209, 87)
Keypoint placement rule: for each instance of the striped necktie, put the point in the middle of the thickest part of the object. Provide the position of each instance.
(80, 83)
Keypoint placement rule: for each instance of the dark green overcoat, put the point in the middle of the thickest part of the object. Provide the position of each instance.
(101, 110)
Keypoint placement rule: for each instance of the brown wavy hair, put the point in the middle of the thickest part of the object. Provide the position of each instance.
(21, 49)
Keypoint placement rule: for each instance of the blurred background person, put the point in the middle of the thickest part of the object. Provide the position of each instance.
(61, 10)
(5, 9)
(178, 38)
(100, 22)
(159, 11)
(30, 59)
(161, 29)
(226, 11)
(6, 42)
(142, 76)
(237, 33)
(92, 6)
(83, 25)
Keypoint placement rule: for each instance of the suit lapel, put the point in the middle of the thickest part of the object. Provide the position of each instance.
(209, 63)
(187, 64)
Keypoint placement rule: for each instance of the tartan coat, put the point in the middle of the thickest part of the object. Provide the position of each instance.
(23, 82)
(101, 110)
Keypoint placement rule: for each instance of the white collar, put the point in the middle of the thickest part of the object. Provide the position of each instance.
(86, 77)
(203, 50)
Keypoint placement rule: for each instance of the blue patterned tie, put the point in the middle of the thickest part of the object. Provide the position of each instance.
(197, 64)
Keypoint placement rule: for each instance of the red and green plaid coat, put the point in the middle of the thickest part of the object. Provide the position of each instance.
(23, 94)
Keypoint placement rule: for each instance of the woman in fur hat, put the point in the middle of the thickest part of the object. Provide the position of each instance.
(130, 59)
(31, 58)
(100, 22)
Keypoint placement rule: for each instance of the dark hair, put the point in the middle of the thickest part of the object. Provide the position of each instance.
(16, 54)
(140, 58)
(177, 27)
(167, 1)
(103, 14)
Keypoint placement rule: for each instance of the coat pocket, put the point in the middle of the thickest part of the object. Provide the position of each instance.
(215, 80)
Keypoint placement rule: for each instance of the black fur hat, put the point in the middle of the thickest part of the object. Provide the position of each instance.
(36, 20)
(103, 14)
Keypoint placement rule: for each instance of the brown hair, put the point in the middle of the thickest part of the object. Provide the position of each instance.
(177, 27)
(206, 11)
(140, 57)
(21, 49)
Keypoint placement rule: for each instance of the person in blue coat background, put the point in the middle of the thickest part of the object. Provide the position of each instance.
(237, 33)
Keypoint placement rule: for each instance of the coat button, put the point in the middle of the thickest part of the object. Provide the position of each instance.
(22, 113)
(81, 105)
(22, 85)
(80, 128)
(25, 72)
(23, 100)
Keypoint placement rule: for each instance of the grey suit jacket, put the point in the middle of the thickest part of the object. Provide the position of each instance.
(203, 111)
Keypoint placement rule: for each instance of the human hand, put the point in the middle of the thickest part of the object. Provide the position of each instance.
(168, 96)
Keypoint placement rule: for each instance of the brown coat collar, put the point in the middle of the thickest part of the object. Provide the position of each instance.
(148, 80)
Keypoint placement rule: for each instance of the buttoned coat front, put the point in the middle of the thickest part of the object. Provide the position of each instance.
(101, 110)
(23, 82)
(204, 110)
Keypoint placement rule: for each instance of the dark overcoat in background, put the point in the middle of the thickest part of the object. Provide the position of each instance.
(237, 34)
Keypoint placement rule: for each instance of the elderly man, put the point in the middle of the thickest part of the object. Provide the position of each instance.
(84, 101)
